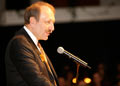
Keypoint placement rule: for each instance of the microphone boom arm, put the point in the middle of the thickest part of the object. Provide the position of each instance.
(76, 59)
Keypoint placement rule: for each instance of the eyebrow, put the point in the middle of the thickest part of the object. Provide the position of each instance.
(51, 20)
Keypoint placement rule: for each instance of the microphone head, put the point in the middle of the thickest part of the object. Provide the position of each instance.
(60, 50)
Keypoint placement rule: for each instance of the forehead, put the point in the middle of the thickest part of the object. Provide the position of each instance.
(46, 12)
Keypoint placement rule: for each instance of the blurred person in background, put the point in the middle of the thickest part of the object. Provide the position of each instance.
(97, 79)
(69, 77)
(81, 83)
(102, 70)
(62, 81)
(116, 77)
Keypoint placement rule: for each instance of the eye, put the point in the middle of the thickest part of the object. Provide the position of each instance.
(47, 22)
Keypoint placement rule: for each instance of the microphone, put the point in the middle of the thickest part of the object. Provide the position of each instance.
(61, 50)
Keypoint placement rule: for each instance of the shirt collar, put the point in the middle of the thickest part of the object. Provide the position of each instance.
(32, 36)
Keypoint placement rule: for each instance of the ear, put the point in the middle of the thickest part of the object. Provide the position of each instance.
(32, 20)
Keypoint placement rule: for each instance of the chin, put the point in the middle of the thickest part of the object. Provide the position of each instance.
(45, 38)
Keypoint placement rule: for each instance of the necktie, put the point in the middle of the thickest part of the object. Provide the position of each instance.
(42, 55)
(44, 59)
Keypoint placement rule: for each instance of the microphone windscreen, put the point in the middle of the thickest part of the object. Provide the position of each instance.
(60, 50)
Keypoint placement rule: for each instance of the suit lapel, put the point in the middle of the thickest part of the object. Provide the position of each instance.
(23, 32)
(53, 70)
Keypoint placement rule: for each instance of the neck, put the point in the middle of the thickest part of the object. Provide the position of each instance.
(31, 30)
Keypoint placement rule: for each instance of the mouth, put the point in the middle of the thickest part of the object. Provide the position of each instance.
(47, 33)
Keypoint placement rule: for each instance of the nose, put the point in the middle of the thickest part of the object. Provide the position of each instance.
(51, 27)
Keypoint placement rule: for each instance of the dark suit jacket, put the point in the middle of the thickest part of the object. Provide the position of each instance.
(23, 63)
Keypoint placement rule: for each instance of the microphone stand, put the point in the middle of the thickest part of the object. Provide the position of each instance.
(77, 73)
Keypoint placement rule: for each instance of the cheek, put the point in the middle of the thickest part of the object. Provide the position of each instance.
(43, 26)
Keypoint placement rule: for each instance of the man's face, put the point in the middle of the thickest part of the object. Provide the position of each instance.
(45, 26)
